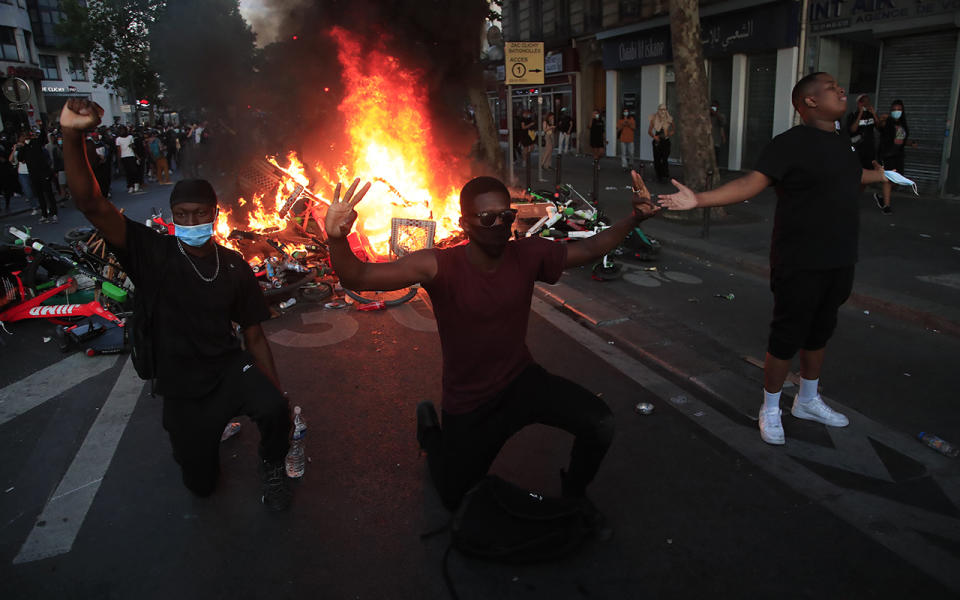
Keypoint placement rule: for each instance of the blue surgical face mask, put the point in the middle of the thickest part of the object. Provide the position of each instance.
(194, 235)
(896, 114)
(899, 179)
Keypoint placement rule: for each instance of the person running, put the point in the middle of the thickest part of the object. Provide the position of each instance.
(198, 290)
(661, 130)
(481, 292)
(817, 176)
(894, 138)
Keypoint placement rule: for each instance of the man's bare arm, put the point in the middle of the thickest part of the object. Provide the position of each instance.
(738, 190)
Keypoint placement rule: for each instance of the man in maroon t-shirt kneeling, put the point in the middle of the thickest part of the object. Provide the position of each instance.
(481, 293)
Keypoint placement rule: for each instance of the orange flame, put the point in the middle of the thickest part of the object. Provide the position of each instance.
(391, 144)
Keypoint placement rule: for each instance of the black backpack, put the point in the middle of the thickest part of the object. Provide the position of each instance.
(501, 522)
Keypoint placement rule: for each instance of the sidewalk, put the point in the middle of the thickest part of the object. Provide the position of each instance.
(909, 265)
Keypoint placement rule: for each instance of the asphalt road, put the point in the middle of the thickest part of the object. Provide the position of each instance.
(91, 504)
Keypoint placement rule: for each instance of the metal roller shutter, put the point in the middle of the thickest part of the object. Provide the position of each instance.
(918, 70)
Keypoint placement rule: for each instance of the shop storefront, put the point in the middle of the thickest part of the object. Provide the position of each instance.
(558, 91)
(896, 50)
(752, 59)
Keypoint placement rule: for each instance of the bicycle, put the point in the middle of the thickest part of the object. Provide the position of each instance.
(31, 300)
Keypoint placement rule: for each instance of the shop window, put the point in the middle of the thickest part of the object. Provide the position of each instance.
(78, 70)
(8, 44)
(51, 69)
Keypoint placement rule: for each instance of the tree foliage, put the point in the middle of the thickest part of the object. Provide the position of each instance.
(113, 35)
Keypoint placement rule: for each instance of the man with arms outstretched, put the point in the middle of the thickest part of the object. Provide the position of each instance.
(817, 176)
(481, 293)
(197, 290)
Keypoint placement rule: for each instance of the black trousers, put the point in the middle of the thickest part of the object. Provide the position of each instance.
(43, 189)
(132, 170)
(462, 453)
(195, 425)
(661, 154)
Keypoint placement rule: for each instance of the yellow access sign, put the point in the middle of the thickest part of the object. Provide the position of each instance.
(524, 62)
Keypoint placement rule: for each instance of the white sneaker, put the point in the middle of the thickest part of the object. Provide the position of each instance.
(816, 410)
(771, 429)
(136, 187)
(53, 219)
(129, 190)
(34, 212)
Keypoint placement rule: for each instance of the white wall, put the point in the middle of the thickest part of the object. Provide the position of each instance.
(652, 94)
(786, 78)
(738, 111)
(613, 94)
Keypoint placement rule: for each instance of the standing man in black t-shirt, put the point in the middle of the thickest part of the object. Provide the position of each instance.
(817, 175)
(861, 124)
(196, 290)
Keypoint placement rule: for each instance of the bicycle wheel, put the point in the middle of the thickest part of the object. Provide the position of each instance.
(391, 298)
(609, 273)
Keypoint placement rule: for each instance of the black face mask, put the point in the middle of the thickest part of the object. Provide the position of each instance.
(491, 240)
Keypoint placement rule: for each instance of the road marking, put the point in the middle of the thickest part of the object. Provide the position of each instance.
(894, 525)
(61, 518)
(408, 316)
(951, 280)
(32, 391)
(344, 328)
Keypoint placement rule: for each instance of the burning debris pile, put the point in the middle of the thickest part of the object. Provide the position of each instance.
(277, 222)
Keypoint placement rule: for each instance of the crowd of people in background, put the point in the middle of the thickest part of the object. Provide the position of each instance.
(32, 166)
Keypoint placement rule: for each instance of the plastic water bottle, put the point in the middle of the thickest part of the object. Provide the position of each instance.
(296, 456)
(939, 444)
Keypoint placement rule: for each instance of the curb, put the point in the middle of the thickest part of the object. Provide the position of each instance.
(931, 315)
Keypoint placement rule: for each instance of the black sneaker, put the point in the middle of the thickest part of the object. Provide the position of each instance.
(886, 210)
(878, 199)
(277, 494)
(426, 421)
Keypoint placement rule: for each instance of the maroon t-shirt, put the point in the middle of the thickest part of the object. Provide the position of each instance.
(482, 317)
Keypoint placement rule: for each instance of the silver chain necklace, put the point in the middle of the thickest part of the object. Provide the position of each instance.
(195, 269)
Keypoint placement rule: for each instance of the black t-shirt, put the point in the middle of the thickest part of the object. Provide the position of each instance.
(817, 178)
(192, 326)
(864, 137)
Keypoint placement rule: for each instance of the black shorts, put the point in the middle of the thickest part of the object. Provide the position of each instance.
(805, 305)
(893, 163)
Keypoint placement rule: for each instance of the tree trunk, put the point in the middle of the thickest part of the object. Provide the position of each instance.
(693, 118)
(487, 131)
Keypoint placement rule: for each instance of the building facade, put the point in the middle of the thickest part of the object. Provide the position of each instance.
(617, 54)
(66, 75)
(18, 58)
(899, 50)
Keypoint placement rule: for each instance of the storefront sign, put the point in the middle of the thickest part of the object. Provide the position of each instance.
(60, 89)
(827, 16)
(553, 64)
(767, 27)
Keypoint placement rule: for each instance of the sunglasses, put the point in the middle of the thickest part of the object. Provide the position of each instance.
(488, 218)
